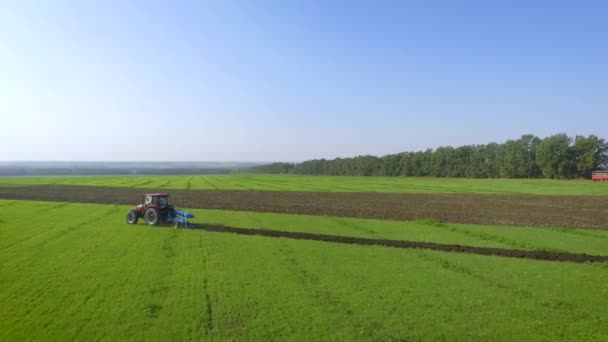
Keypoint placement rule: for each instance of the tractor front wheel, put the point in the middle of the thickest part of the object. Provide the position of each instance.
(152, 217)
(132, 217)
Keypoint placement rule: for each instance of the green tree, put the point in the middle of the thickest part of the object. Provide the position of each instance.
(519, 158)
(490, 160)
(441, 162)
(390, 165)
(274, 168)
(590, 153)
(310, 167)
(555, 157)
(421, 163)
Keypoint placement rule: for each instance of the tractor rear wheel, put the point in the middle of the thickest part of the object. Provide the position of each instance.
(152, 217)
(132, 217)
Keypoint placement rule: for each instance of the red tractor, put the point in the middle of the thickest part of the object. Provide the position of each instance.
(155, 209)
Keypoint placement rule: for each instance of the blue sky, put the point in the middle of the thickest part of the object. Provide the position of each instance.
(294, 80)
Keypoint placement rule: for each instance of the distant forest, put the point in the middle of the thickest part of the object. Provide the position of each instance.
(557, 156)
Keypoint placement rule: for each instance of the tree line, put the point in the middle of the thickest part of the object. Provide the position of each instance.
(556, 157)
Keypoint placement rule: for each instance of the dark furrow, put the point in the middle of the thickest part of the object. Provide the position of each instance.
(503, 252)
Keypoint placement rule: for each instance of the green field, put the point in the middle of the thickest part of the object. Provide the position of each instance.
(76, 271)
(326, 183)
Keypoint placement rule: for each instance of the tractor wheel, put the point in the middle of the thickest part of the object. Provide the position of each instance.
(152, 217)
(132, 217)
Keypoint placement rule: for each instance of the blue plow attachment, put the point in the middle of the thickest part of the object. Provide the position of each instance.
(181, 219)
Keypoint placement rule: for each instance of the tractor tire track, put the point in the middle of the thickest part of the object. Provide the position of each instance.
(208, 182)
(208, 322)
(520, 293)
(323, 297)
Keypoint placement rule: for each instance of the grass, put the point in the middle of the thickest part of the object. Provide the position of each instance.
(334, 184)
(76, 271)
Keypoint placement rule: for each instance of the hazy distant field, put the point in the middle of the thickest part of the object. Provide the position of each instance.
(333, 184)
(76, 271)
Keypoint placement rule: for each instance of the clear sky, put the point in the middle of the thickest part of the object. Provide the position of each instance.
(293, 80)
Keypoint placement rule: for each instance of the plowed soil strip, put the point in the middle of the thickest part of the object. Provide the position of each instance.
(523, 210)
(510, 253)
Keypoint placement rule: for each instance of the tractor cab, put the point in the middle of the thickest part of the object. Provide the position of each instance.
(158, 199)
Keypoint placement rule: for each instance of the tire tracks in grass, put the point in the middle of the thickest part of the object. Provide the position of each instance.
(49, 283)
(484, 236)
(368, 327)
(206, 180)
(353, 226)
(3, 221)
(518, 244)
(304, 187)
(80, 225)
(339, 188)
(165, 184)
(231, 185)
(81, 301)
(159, 290)
(208, 319)
(70, 228)
(551, 303)
(59, 233)
(220, 183)
(581, 233)
(139, 185)
(146, 301)
(168, 247)
(7, 203)
(262, 185)
(52, 207)
(153, 301)
(123, 182)
(81, 332)
(308, 279)
(322, 297)
(257, 185)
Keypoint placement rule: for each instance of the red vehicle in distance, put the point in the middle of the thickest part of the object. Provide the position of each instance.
(600, 176)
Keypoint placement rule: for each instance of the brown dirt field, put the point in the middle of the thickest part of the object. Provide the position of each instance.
(510, 253)
(522, 210)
